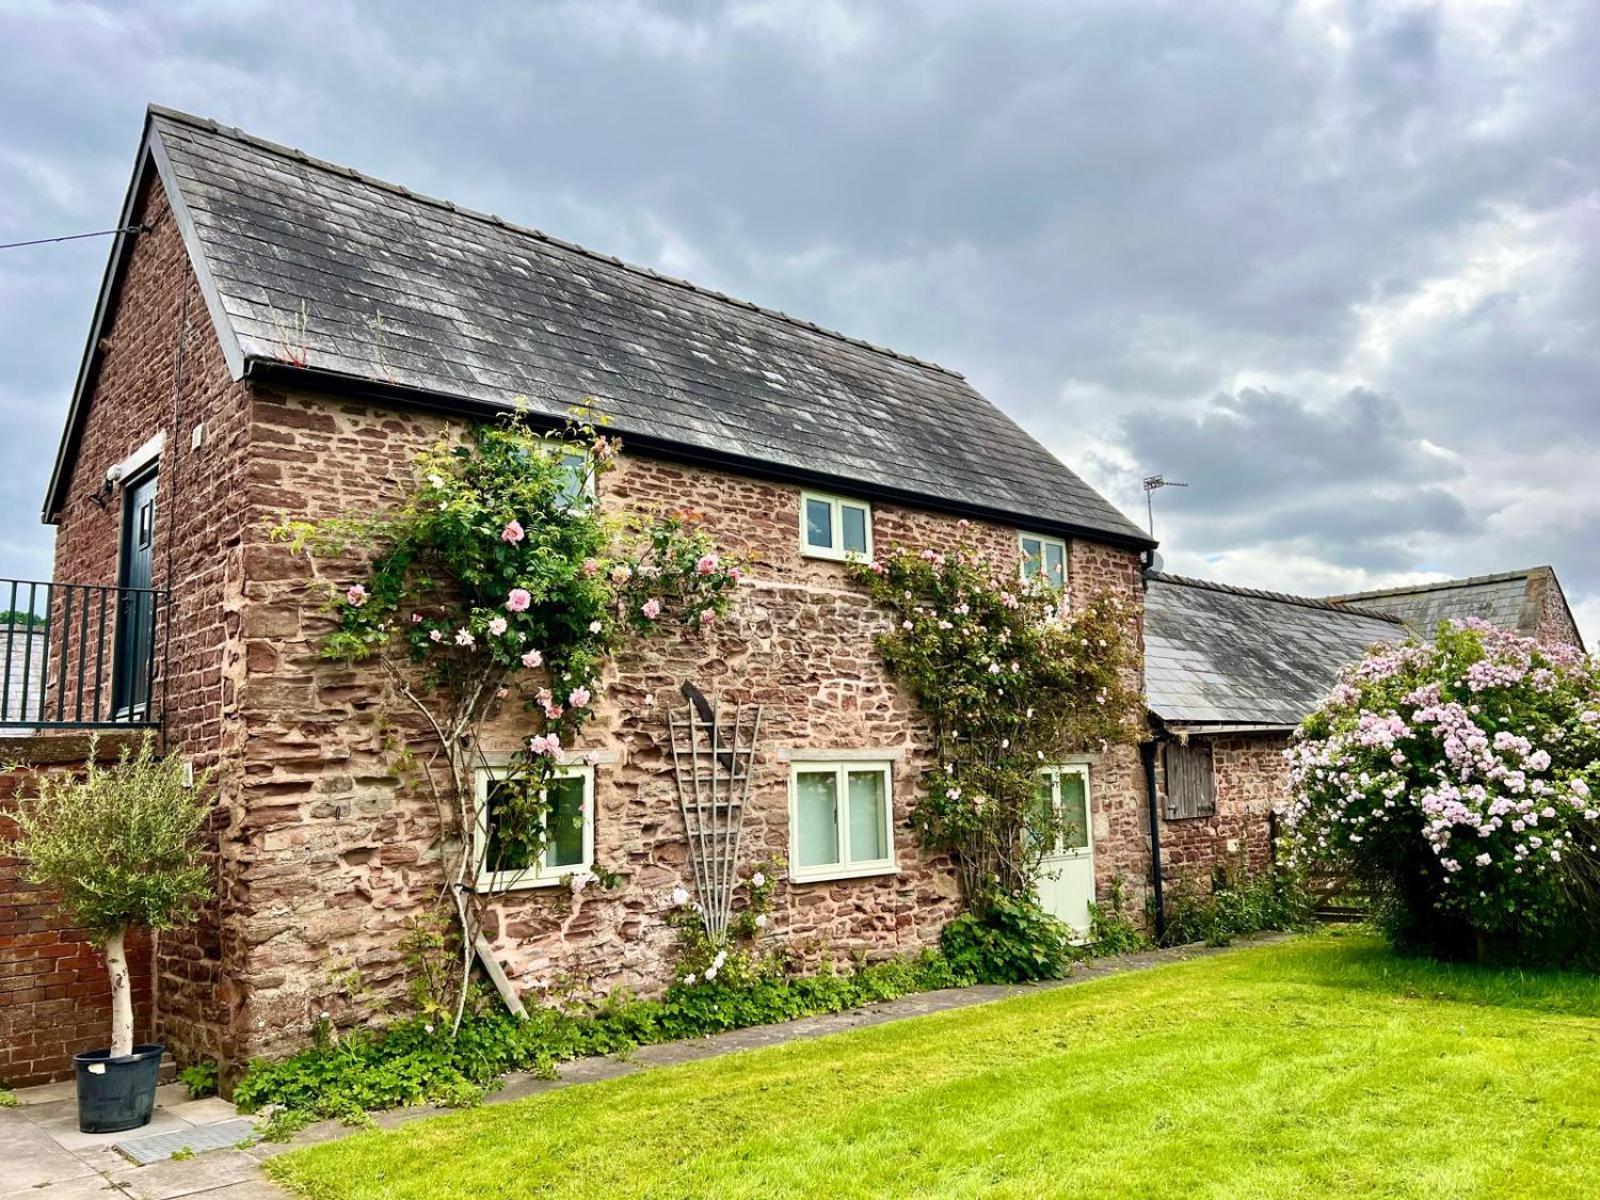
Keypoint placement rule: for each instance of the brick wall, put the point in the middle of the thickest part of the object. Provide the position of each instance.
(200, 506)
(55, 998)
(336, 851)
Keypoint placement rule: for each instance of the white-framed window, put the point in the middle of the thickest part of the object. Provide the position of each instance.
(841, 820)
(1044, 558)
(569, 836)
(835, 527)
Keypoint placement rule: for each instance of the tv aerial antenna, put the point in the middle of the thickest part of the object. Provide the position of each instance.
(1152, 485)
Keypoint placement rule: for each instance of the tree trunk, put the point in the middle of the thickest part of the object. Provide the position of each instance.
(121, 995)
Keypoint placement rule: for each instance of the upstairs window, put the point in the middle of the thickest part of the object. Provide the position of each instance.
(577, 481)
(509, 862)
(833, 527)
(1191, 780)
(1044, 558)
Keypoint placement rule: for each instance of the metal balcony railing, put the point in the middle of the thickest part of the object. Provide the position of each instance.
(80, 656)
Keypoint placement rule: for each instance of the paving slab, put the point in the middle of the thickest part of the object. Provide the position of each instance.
(204, 1112)
(31, 1158)
(88, 1187)
(185, 1177)
(44, 1093)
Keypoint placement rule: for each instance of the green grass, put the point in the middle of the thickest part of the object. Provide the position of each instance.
(1320, 1067)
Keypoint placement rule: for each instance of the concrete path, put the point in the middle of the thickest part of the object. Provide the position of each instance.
(44, 1157)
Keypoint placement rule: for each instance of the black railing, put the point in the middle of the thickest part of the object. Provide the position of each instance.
(80, 656)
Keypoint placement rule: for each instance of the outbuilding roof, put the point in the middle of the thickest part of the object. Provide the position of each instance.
(1222, 655)
(1511, 599)
(317, 274)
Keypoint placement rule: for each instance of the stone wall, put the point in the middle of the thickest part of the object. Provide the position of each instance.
(199, 510)
(1251, 775)
(338, 849)
(55, 998)
(1555, 624)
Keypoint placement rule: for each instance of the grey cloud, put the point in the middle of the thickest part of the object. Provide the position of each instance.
(1099, 211)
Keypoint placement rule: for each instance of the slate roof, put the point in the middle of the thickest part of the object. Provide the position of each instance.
(1507, 600)
(1222, 655)
(322, 273)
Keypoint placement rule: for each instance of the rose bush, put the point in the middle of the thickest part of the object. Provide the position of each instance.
(1457, 781)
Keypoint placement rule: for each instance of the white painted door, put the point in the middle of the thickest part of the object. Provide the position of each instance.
(1066, 876)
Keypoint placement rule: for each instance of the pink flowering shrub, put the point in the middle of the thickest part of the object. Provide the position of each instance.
(1460, 782)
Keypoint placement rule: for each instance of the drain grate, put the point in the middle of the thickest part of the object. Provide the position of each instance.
(200, 1138)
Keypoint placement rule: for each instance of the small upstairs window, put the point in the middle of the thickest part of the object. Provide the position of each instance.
(1044, 558)
(833, 527)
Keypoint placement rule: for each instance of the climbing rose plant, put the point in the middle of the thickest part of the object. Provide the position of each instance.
(1012, 678)
(499, 578)
(1457, 781)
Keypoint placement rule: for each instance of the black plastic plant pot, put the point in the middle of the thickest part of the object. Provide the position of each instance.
(115, 1094)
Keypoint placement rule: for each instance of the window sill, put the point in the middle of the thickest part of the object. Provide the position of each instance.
(840, 556)
(830, 874)
(561, 877)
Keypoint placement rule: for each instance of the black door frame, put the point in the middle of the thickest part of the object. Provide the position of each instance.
(136, 610)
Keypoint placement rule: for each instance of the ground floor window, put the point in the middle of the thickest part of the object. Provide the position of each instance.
(511, 862)
(841, 820)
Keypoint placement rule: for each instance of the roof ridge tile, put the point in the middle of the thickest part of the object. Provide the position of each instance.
(1234, 589)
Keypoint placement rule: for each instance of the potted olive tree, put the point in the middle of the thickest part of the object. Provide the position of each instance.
(121, 847)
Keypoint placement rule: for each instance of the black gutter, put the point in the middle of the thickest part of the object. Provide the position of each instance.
(271, 371)
(1147, 755)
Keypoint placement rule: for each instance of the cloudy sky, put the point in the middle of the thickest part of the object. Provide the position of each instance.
(1335, 265)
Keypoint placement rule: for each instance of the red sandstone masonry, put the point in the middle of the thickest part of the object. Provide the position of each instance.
(1251, 775)
(336, 852)
(324, 849)
(200, 507)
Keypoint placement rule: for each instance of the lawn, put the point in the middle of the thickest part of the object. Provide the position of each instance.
(1320, 1067)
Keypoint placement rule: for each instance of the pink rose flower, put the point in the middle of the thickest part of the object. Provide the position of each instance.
(512, 532)
(621, 573)
(591, 566)
(651, 608)
(357, 596)
(532, 659)
(435, 636)
(416, 618)
(519, 600)
(578, 697)
(497, 625)
(708, 616)
(706, 565)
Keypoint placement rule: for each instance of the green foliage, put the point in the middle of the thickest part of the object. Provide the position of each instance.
(1456, 783)
(1012, 679)
(8, 1098)
(1111, 930)
(182, 1154)
(417, 1061)
(1319, 1068)
(22, 618)
(122, 844)
(200, 1078)
(1013, 940)
(1234, 907)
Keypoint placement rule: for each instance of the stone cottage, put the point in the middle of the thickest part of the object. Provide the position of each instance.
(1230, 672)
(281, 336)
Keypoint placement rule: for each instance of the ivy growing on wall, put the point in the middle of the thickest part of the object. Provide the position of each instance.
(500, 573)
(1013, 678)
